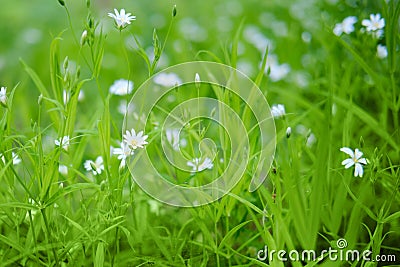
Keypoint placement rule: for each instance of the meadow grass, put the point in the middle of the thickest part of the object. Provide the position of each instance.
(60, 206)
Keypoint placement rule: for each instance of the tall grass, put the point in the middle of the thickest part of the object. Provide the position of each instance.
(50, 217)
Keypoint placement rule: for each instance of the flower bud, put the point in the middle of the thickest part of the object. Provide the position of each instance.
(40, 99)
(197, 80)
(78, 72)
(174, 11)
(288, 132)
(83, 37)
(62, 3)
(65, 64)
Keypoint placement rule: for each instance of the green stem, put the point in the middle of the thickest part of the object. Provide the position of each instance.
(49, 235)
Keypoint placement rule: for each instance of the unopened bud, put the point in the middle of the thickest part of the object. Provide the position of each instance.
(288, 132)
(40, 99)
(156, 45)
(65, 64)
(61, 2)
(174, 11)
(83, 37)
(90, 19)
(87, 3)
(197, 80)
(78, 72)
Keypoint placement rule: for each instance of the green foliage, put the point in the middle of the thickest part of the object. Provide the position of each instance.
(338, 93)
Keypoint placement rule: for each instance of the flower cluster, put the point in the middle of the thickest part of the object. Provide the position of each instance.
(278, 111)
(131, 141)
(198, 165)
(373, 26)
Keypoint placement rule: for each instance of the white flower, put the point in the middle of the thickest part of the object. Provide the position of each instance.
(275, 70)
(67, 96)
(173, 138)
(33, 211)
(121, 18)
(3, 95)
(346, 26)
(16, 159)
(124, 107)
(355, 159)
(123, 152)
(381, 51)
(95, 166)
(121, 87)
(278, 110)
(63, 141)
(311, 139)
(197, 165)
(134, 140)
(64, 171)
(167, 79)
(279, 71)
(374, 23)
(154, 206)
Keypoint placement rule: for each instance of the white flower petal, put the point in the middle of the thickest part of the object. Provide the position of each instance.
(348, 151)
(358, 170)
(348, 163)
(363, 161)
(357, 153)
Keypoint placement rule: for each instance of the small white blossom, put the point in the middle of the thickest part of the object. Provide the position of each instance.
(199, 166)
(134, 140)
(355, 159)
(374, 23)
(311, 139)
(346, 26)
(121, 18)
(173, 138)
(121, 87)
(123, 152)
(154, 206)
(94, 166)
(167, 79)
(278, 110)
(63, 170)
(16, 159)
(125, 108)
(275, 70)
(3, 95)
(33, 211)
(63, 141)
(381, 51)
(67, 96)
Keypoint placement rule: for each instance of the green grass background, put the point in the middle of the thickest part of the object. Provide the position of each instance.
(308, 201)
